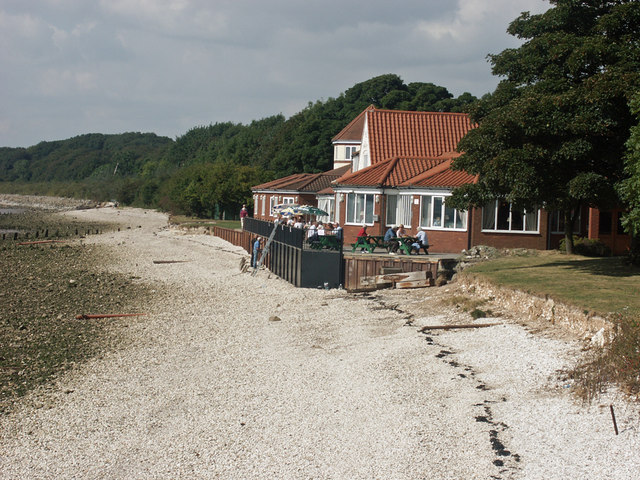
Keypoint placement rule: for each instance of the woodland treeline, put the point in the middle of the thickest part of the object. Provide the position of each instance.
(209, 170)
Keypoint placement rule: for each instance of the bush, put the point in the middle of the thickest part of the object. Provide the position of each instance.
(617, 364)
(587, 247)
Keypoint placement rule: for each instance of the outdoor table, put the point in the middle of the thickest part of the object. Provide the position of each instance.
(329, 241)
(368, 243)
(405, 244)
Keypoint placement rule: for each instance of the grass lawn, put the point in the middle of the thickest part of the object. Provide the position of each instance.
(603, 285)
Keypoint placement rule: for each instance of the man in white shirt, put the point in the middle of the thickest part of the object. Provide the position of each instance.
(421, 242)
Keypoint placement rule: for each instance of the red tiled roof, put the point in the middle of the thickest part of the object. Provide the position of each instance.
(389, 173)
(304, 182)
(292, 182)
(395, 133)
(441, 176)
(353, 131)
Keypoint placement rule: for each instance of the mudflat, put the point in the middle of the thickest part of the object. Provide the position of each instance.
(230, 375)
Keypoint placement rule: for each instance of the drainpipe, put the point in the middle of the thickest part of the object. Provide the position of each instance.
(548, 230)
(470, 226)
(382, 217)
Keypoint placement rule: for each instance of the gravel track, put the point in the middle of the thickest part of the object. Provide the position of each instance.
(340, 387)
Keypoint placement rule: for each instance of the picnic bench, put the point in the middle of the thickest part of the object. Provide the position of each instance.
(330, 242)
(371, 242)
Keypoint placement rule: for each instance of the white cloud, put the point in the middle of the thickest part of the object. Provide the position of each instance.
(168, 65)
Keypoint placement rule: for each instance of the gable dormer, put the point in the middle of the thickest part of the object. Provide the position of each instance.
(346, 144)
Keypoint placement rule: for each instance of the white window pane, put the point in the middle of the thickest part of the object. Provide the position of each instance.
(359, 216)
(517, 221)
(503, 215)
(461, 219)
(404, 210)
(437, 211)
(351, 207)
(449, 217)
(392, 205)
(531, 221)
(489, 216)
(369, 209)
(425, 219)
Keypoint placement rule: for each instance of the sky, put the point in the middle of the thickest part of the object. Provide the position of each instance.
(71, 67)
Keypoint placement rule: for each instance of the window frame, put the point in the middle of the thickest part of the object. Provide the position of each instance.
(555, 219)
(273, 201)
(509, 220)
(458, 215)
(331, 208)
(364, 202)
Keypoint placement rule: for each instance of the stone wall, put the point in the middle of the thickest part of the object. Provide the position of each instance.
(538, 311)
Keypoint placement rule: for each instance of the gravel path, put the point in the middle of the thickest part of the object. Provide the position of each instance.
(340, 387)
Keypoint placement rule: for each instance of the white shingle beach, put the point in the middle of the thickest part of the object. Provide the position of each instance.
(338, 386)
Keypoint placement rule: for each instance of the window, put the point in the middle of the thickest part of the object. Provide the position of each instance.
(287, 200)
(557, 222)
(328, 205)
(273, 201)
(435, 214)
(348, 151)
(392, 208)
(501, 216)
(360, 208)
(604, 226)
(399, 209)
(264, 203)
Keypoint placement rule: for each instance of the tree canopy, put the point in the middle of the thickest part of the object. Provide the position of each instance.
(553, 132)
(629, 188)
(210, 169)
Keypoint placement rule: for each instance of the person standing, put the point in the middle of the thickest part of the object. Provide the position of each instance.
(256, 252)
(244, 213)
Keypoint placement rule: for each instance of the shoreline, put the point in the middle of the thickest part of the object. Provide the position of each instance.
(237, 376)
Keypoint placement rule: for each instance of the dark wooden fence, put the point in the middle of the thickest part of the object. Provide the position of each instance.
(291, 258)
(239, 238)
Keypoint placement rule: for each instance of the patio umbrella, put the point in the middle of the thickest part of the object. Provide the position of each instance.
(289, 209)
(311, 210)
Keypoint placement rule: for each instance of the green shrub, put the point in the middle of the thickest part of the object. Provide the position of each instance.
(587, 247)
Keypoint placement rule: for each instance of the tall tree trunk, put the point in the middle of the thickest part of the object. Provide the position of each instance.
(568, 231)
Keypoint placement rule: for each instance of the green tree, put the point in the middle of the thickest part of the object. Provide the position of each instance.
(553, 132)
(629, 188)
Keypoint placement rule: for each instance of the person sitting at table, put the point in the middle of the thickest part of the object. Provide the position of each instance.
(421, 242)
(362, 235)
(320, 229)
(391, 238)
(337, 231)
(299, 223)
(401, 231)
(312, 232)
